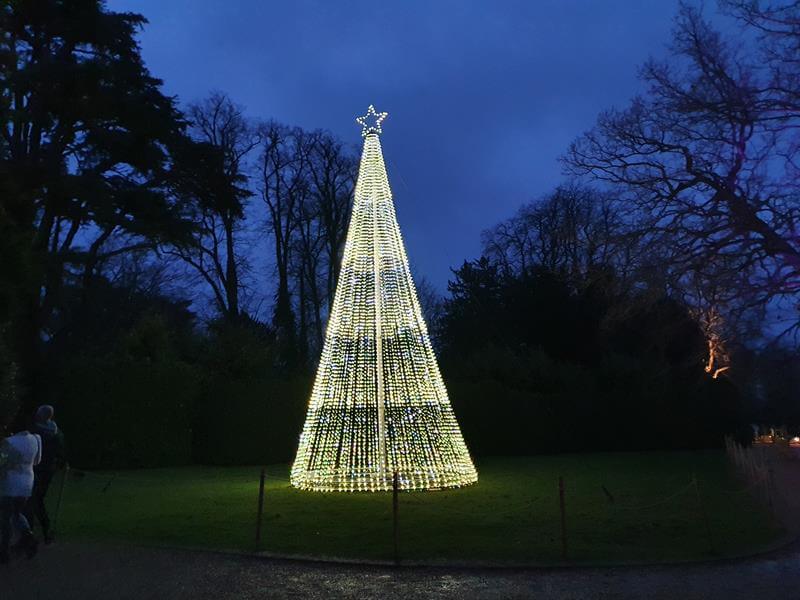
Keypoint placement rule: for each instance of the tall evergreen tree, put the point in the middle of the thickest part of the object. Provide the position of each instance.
(85, 134)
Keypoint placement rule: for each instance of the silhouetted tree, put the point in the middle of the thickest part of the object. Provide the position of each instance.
(83, 150)
(306, 181)
(333, 171)
(710, 153)
(210, 176)
(323, 216)
(284, 188)
(576, 231)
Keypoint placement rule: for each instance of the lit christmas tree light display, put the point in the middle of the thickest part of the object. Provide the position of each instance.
(379, 404)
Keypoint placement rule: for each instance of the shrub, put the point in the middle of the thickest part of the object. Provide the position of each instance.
(253, 420)
(119, 412)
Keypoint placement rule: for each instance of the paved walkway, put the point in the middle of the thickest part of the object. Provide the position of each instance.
(88, 571)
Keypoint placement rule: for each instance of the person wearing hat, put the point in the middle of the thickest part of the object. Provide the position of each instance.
(52, 458)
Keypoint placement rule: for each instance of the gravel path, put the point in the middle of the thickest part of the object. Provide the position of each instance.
(88, 571)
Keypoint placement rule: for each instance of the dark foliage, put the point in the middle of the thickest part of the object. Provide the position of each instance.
(776, 379)
(84, 152)
(249, 411)
(136, 385)
(122, 378)
(533, 365)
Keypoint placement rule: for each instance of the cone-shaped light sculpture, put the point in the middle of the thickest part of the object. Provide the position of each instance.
(379, 405)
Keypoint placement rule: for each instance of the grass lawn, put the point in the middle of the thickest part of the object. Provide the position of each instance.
(511, 514)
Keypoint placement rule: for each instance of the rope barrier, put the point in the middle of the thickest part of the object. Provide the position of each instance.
(116, 476)
(136, 478)
(658, 503)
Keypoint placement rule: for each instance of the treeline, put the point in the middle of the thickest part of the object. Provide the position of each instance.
(624, 310)
(293, 187)
(565, 337)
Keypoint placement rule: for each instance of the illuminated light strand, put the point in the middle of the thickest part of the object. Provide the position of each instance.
(379, 404)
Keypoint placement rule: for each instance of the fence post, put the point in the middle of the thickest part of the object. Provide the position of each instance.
(703, 514)
(395, 506)
(260, 507)
(563, 510)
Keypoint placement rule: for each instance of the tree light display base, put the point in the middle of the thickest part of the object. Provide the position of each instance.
(379, 404)
(379, 482)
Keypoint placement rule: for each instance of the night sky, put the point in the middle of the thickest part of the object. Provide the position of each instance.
(482, 97)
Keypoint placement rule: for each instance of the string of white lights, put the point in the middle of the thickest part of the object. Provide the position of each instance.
(379, 404)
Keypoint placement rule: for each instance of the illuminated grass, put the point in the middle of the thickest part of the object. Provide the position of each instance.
(511, 514)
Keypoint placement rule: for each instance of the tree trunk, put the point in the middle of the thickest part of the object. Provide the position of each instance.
(231, 271)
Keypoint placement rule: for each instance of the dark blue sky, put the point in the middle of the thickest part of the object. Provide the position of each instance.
(482, 96)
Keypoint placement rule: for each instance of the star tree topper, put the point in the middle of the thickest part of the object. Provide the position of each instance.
(371, 122)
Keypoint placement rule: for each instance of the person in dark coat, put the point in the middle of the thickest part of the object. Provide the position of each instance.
(52, 459)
